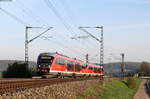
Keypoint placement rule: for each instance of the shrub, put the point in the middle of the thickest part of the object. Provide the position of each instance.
(17, 70)
(131, 83)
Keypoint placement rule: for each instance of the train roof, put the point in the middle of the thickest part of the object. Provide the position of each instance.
(56, 53)
(52, 54)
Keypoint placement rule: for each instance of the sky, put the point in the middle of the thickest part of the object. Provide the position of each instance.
(126, 28)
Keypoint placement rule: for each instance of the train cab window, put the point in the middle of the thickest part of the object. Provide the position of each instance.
(70, 65)
(95, 70)
(60, 61)
(45, 60)
(77, 67)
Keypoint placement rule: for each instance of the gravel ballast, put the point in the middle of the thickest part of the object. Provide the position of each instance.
(68, 90)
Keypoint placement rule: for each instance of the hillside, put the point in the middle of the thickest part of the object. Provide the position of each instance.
(115, 67)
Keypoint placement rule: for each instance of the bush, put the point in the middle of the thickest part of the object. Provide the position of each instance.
(131, 83)
(17, 70)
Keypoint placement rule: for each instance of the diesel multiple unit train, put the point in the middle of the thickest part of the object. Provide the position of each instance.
(57, 65)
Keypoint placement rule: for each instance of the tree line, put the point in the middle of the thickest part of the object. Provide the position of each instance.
(144, 69)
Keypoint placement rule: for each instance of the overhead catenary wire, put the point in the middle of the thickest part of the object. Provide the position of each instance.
(26, 14)
(16, 18)
(13, 16)
(30, 13)
(67, 26)
(68, 11)
(23, 23)
(51, 6)
(74, 48)
(66, 8)
(69, 49)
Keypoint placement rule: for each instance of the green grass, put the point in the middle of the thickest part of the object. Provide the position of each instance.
(111, 90)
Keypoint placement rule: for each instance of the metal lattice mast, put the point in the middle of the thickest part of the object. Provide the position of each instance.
(28, 41)
(122, 64)
(87, 58)
(26, 46)
(102, 48)
(101, 41)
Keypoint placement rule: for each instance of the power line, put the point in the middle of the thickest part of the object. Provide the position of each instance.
(68, 11)
(20, 21)
(68, 48)
(99, 40)
(51, 6)
(66, 8)
(67, 26)
(29, 12)
(26, 12)
(75, 48)
(13, 16)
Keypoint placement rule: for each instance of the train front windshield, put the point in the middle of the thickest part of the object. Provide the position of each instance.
(45, 61)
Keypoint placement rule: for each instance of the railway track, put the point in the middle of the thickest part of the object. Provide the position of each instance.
(12, 85)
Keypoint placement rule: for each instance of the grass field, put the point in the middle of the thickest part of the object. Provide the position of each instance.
(111, 90)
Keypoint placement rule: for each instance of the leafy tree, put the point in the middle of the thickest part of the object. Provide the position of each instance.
(145, 69)
(17, 70)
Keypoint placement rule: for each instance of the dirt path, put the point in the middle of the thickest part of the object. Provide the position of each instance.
(141, 93)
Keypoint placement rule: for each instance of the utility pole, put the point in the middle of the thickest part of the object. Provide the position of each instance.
(122, 64)
(101, 47)
(100, 40)
(29, 41)
(87, 58)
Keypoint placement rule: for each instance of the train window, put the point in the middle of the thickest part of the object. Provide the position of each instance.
(91, 68)
(99, 70)
(57, 61)
(95, 70)
(60, 61)
(102, 69)
(84, 66)
(77, 67)
(69, 65)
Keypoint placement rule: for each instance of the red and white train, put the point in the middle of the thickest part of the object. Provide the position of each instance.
(57, 65)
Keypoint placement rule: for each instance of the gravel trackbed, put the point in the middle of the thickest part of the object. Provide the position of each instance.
(68, 90)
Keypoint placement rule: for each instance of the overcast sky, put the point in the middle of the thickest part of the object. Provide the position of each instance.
(126, 28)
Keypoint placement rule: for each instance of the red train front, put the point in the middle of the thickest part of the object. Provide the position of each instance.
(57, 65)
